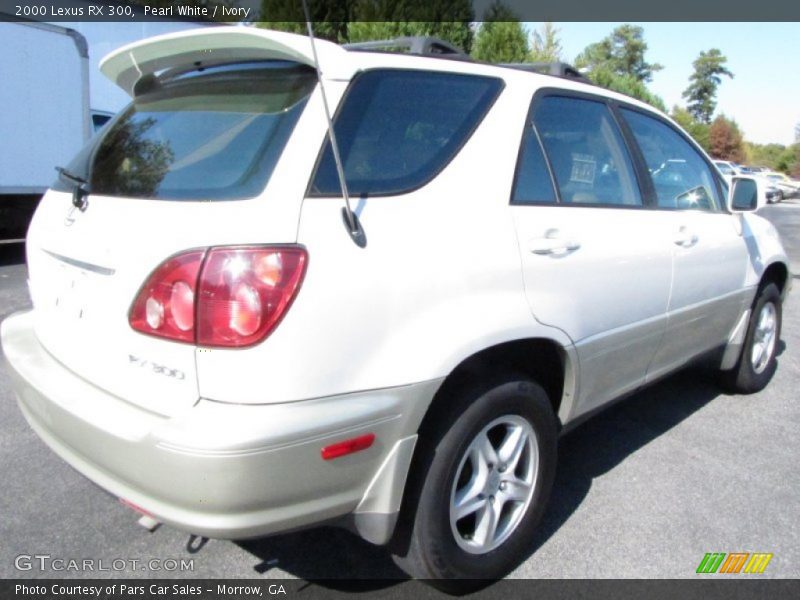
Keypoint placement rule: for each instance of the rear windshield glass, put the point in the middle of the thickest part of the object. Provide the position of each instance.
(208, 135)
(398, 128)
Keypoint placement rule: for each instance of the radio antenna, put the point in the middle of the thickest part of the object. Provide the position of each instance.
(350, 218)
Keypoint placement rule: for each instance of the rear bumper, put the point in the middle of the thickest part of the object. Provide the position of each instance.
(223, 470)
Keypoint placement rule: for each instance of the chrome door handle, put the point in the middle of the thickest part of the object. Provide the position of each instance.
(553, 245)
(686, 238)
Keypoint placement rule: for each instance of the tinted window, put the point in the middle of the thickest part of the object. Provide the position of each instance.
(98, 120)
(681, 177)
(586, 151)
(532, 184)
(211, 135)
(397, 129)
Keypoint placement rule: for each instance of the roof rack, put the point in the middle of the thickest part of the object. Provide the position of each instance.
(419, 45)
(558, 69)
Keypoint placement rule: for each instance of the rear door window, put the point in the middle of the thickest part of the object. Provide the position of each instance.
(397, 129)
(214, 134)
(590, 162)
(681, 177)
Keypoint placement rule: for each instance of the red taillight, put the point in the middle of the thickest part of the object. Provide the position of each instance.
(233, 297)
(165, 304)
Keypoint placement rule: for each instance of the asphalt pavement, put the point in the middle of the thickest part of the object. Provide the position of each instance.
(643, 490)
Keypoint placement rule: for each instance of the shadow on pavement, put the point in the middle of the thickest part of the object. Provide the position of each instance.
(599, 445)
(323, 556)
(327, 556)
(12, 254)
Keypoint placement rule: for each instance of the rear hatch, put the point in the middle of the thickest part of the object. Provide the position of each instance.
(198, 159)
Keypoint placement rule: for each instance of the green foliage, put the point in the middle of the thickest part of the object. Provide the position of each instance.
(620, 53)
(546, 45)
(725, 140)
(702, 91)
(501, 42)
(698, 130)
(345, 21)
(330, 18)
(501, 37)
(785, 159)
(449, 20)
(625, 84)
(775, 156)
(789, 160)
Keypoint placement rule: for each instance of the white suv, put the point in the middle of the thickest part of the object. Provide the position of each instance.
(210, 345)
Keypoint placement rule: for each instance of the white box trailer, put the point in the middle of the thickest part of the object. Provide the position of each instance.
(44, 103)
(52, 99)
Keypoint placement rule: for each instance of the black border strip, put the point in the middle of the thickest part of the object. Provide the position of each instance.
(420, 10)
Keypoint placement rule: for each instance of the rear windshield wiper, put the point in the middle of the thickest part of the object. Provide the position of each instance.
(81, 189)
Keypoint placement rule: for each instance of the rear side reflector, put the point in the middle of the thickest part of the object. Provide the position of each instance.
(135, 507)
(226, 297)
(356, 444)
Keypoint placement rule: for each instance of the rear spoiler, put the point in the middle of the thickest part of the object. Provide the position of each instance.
(219, 45)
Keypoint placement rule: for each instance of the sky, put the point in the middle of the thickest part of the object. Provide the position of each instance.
(764, 95)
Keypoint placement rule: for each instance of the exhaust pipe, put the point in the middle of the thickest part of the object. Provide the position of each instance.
(149, 523)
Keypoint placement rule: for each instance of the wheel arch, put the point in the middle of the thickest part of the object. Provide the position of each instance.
(777, 273)
(543, 360)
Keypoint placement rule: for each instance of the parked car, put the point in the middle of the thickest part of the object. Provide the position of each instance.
(772, 192)
(751, 170)
(789, 188)
(210, 344)
(727, 168)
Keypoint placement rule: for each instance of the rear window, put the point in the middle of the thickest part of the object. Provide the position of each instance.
(207, 135)
(398, 128)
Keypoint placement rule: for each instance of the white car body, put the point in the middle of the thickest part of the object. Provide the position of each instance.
(226, 442)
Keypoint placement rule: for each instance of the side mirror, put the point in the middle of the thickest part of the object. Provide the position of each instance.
(743, 195)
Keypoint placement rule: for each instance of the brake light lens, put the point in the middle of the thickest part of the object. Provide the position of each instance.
(227, 297)
(165, 304)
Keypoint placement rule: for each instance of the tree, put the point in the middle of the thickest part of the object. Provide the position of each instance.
(725, 140)
(775, 156)
(345, 21)
(621, 53)
(501, 37)
(788, 158)
(794, 170)
(546, 45)
(698, 130)
(329, 17)
(709, 68)
(625, 84)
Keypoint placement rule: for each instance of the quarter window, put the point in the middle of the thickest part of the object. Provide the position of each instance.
(532, 184)
(398, 128)
(682, 179)
(587, 154)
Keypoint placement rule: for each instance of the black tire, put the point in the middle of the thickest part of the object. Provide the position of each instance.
(745, 377)
(431, 551)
